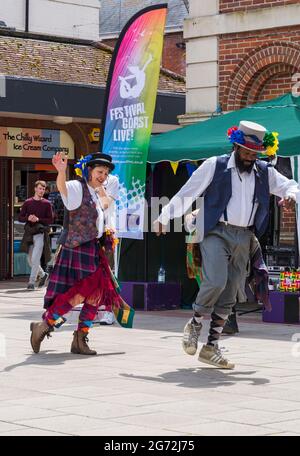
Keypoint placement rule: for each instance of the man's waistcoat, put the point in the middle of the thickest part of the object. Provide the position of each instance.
(218, 194)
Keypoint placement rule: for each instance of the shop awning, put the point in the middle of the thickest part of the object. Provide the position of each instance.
(208, 138)
(35, 98)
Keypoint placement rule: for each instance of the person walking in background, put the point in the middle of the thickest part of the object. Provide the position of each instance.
(37, 215)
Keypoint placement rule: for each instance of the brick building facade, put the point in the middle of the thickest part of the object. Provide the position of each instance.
(257, 67)
(230, 6)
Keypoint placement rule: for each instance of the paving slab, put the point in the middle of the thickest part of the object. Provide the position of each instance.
(141, 382)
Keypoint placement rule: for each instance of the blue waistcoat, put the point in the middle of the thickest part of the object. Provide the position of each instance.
(218, 194)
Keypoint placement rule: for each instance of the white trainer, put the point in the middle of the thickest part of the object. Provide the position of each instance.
(213, 355)
(190, 337)
(108, 318)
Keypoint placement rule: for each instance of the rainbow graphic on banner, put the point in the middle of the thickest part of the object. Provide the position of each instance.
(129, 110)
(34, 143)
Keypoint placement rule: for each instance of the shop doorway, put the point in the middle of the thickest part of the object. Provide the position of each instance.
(17, 178)
(24, 177)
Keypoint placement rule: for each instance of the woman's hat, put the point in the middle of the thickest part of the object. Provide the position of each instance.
(97, 159)
(101, 160)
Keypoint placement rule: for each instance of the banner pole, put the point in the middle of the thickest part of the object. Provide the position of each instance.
(117, 254)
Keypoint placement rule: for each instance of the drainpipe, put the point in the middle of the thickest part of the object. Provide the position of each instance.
(26, 15)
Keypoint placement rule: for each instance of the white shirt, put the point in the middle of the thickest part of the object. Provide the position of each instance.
(240, 205)
(105, 217)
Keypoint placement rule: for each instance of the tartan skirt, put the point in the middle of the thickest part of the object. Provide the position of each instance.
(82, 272)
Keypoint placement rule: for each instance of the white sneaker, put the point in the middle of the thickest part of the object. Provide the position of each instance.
(108, 318)
(190, 337)
(213, 355)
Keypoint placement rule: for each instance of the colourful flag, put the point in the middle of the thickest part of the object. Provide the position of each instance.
(174, 166)
(129, 110)
(191, 167)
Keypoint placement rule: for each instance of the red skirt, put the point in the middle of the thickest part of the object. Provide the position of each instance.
(82, 274)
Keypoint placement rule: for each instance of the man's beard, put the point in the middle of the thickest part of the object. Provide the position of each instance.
(241, 165)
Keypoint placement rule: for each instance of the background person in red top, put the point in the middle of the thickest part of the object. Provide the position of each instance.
(37, 213)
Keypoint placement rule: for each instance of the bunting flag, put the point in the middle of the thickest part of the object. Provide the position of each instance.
(174, 166)
(191, 167)
(129, 110)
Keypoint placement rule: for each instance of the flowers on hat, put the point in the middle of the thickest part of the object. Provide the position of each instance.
(235, 135)
(81, 166)
(271, 143)
(231, 130)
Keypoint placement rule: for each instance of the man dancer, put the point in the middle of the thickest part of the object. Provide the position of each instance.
(236, 191)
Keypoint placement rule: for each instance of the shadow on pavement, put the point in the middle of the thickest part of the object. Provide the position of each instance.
(203, 377)
(21, 290)
(58, 359)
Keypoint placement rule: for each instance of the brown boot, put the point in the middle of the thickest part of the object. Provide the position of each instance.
(79, 345)
(38, 333)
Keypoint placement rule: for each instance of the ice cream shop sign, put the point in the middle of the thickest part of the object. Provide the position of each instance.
(33, 143)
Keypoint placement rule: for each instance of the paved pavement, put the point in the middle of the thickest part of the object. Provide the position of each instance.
(141, 382)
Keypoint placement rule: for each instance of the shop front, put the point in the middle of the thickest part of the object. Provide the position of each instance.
(25, 157)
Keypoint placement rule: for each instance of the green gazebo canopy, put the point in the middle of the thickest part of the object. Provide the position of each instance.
(208, 138)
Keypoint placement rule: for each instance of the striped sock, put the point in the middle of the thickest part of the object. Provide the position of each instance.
(216, 327)
(55, 312)
(86, 317)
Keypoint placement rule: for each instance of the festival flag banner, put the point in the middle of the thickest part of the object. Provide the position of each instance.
(129, 110)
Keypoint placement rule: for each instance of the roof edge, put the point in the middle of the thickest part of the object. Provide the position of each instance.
(75, 41)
